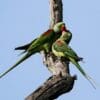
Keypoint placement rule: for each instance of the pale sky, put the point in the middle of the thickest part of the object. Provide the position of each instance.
(23, 20)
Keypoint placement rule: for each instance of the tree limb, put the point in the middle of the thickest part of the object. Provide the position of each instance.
(52, 88)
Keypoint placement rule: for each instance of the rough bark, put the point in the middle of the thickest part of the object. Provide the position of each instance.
(60, 82)
(56, 12)
(52, 88)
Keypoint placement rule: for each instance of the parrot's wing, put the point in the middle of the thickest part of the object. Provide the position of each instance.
(45, 37)
(72, 53)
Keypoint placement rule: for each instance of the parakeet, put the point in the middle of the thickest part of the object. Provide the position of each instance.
(61, 49)
(41, 43)
(46, 39)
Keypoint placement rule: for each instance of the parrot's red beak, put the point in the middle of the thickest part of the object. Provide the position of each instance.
(63, 28)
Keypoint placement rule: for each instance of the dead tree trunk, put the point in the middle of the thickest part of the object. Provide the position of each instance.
(56, 84)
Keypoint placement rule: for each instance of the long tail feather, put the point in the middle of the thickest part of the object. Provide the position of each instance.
(92, 82)
(19, 62)
(25, 47)
(83, 72)
(22, 53)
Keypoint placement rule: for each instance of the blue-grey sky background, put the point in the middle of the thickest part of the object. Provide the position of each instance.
(23, 20)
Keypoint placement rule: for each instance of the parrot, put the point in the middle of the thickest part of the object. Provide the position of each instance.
(43, 42)
(61, 49)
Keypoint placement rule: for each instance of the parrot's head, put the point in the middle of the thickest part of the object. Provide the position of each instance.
(66, 36)
(59, 27)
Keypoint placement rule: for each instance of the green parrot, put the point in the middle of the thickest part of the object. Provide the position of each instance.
(41, 43)
(61, 49)
(45, 40)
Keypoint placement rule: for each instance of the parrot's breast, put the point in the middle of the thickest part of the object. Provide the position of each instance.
(58, 54)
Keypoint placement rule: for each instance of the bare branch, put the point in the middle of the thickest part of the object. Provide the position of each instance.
(56, 12)
(52, 88)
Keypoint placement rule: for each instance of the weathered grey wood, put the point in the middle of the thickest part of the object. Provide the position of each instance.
(52, 88)
(60, 82)
(56, 11)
